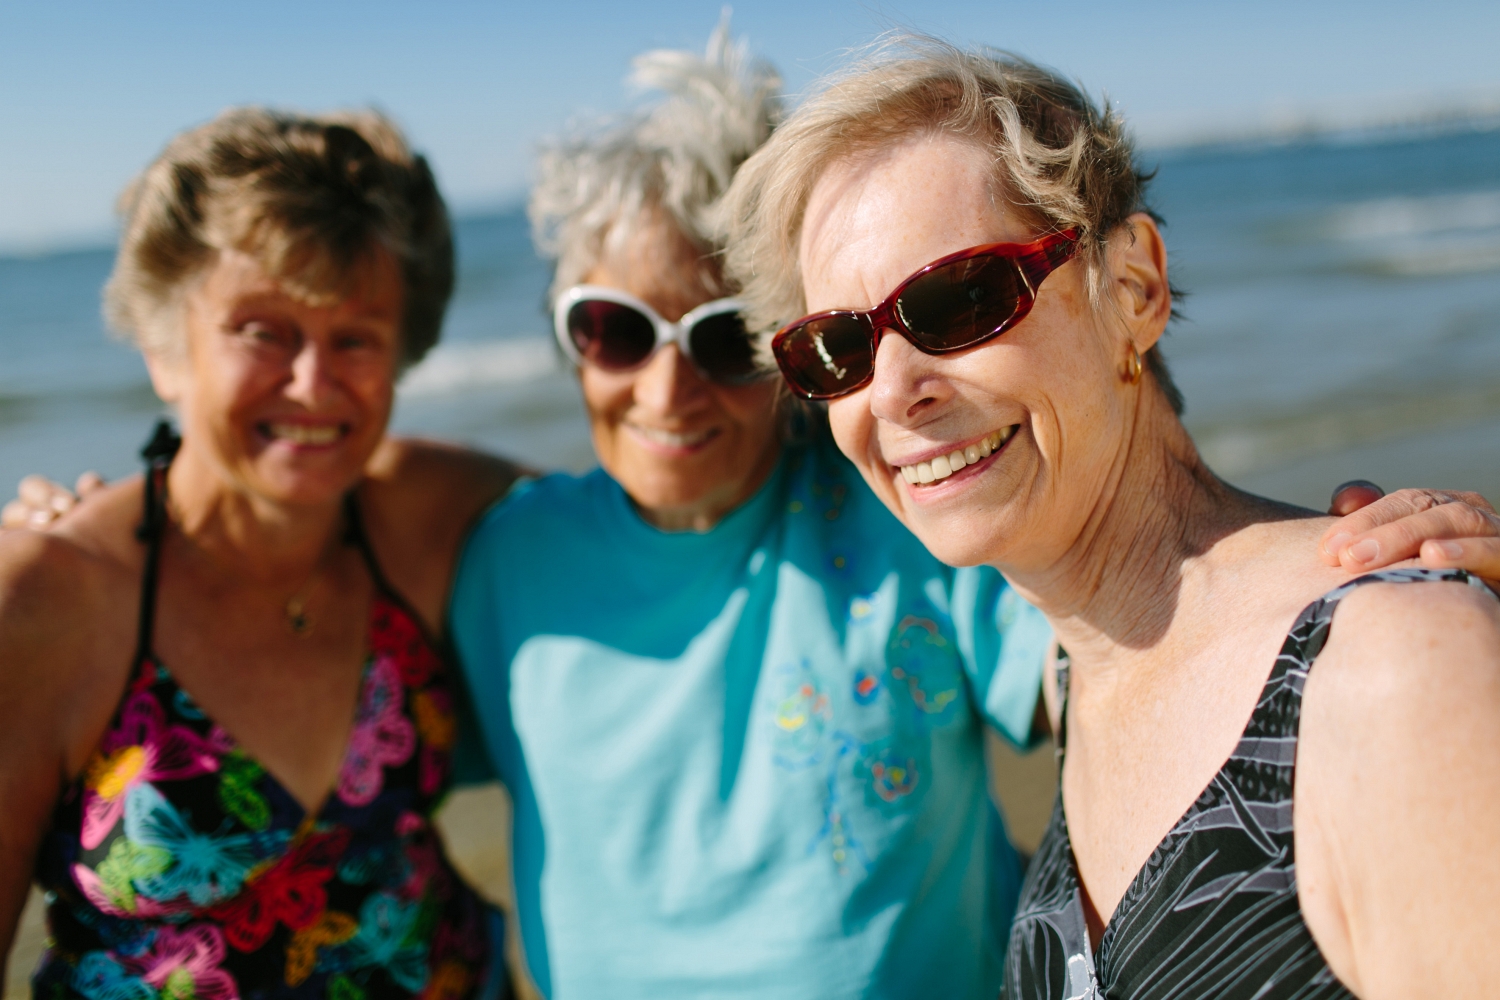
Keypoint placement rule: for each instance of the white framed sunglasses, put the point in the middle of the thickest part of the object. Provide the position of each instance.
(616, 331)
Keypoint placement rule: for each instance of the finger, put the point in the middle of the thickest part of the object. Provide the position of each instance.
(1353, 495)
(14, 515)
(1398, 540)
(41, 493)
(1480, 556)
(17, 514)
(1390, 508)
(88, 483)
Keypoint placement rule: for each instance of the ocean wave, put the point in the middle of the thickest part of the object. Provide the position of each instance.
(1389, 218)
(459, 367)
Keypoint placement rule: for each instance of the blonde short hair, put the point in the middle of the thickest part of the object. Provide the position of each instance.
(1060, 160)
(597, 184)
(310, 197)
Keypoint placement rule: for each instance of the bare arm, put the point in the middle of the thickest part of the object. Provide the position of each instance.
(420, 499)
(1398, 792)
(36, 661)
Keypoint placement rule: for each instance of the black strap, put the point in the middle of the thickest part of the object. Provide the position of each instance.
(158, 453)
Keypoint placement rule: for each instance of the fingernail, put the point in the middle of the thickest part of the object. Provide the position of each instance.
(1336, 544)
(1450, 550)
(1365, 551)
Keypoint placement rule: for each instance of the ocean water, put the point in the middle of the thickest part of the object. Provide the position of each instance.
(1343, 320)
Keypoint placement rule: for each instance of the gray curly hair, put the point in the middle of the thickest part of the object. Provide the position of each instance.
(596, 184)
(1061, 161)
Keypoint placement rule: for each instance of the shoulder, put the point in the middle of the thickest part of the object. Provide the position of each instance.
(1396, 639)
(429, 485)
(1399, 732)
(67, 613)
(1404, 661)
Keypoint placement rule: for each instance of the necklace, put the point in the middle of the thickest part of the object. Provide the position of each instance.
(294, 611)
(297, 618)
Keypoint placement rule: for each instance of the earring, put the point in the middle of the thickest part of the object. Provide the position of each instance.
(1133, 366)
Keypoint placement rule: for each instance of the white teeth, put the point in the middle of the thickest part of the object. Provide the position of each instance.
(946, 465)
(322, 434)
(670, 439)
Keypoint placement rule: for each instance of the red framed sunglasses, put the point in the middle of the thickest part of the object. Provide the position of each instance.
(956, 302)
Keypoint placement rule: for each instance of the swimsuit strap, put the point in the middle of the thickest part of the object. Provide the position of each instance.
(354, 534)
(158, 453)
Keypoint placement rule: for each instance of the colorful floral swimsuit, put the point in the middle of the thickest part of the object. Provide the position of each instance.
(177, 867)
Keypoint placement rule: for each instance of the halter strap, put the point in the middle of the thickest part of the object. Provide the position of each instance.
(158, 453)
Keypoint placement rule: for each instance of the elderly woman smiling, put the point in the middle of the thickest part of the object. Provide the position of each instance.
(987, 292)
(222, 730)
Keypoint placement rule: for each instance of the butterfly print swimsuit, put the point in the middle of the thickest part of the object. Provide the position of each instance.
(1214, 911)
(176, 867)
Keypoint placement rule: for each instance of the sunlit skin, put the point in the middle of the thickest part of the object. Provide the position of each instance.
(923, 406)
(259, 360)
(685, 449)
(1171, 590)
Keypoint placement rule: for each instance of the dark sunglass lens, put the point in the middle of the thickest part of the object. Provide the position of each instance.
(613, 336)
(961, 303)
(722, 349)
(827, 357)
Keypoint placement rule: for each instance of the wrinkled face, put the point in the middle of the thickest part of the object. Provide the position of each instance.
(1046, 392)
(686, 450)
(286, 400)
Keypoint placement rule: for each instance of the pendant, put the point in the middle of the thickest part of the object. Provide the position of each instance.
(297, 618)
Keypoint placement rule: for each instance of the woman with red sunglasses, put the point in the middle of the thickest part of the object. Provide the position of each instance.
(986, 292)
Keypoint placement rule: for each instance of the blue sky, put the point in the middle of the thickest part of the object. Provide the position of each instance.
(89, 91)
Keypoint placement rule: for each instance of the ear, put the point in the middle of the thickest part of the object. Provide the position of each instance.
(167, 375)
(1139, 281)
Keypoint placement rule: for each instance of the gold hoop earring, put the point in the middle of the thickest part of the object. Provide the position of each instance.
(1133, 366)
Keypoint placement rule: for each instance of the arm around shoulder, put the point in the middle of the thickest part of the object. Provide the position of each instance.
(1398, 791)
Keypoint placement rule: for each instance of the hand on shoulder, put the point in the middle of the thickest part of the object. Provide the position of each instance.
(1398, 792)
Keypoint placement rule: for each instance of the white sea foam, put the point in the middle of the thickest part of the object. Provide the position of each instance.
(1388, 218)
(458, 367)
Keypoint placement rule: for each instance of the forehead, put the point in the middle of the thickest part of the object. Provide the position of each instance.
(372, 289)
(873, 220)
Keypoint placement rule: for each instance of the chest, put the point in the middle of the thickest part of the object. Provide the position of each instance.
(1137, 761)
(287, 697)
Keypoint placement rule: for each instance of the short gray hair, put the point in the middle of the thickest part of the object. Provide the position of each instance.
(596, 183)
(1061, 160)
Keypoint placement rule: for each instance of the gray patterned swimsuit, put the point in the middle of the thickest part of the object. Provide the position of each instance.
(1214, 912)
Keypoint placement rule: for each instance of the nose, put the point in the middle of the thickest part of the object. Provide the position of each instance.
(311, 378)
(669, 384)
(905, 386)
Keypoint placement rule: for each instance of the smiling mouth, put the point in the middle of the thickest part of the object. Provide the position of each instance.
(940, 468)
(304, 435)
(671, 439)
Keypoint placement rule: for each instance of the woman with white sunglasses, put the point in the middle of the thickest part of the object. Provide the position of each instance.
(738, 707)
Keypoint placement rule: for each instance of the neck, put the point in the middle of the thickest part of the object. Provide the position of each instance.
(1115, 591)
(704, 513)
(267, 544)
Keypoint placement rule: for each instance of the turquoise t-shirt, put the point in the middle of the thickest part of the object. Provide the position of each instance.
(746, 762)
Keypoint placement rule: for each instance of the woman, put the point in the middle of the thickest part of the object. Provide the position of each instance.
(745, 743)
(968, 234)
(224, 728)
(736, 767)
